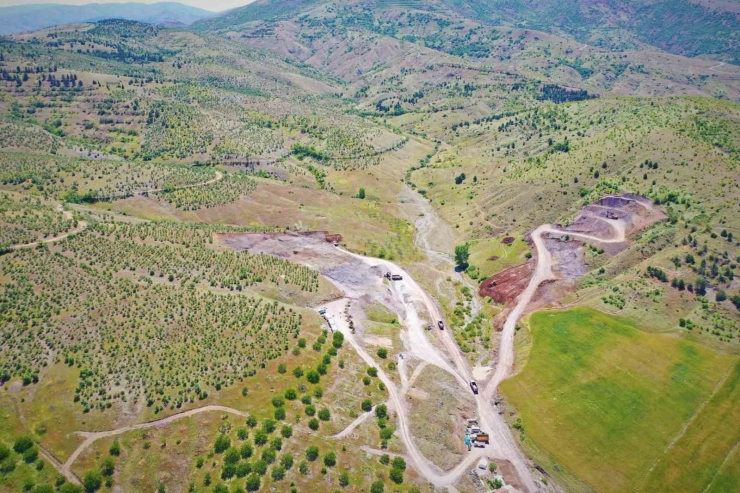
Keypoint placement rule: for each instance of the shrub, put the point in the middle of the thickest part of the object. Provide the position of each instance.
(115, 448)
(399, 463)
(312, 453)
(278, 401)
(377, 487)
(92, 481)
(246, 451)
(382, 353)
(232, 456)
(269, 425)
(313, 376)
(222, 443)
(286, 461)
(243, 469)
(253, 482)
(372, 371)
(260, 467)
(344, 480)
(396, 475)
(385, 459)
(278, 473)
(381, 411)
(279, 414)
(251, 421)
(108, 467)
(22, 444)
(310, 410)
(291, 394)
(286, 431)
(30, 455)
(330, 459)
(298, 372)
(260, 437)
(242, 433)
(366, 405)
(313, 424)
(228, 471)
(269, 455)
(4, 452)
(324, 414)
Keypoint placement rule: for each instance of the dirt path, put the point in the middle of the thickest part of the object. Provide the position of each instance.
(81, 226)
(354, 424)
(716, 66)
(93, 436)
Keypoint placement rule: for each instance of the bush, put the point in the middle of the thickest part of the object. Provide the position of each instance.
(278, 473)
(231, 456)
(222, 443)
(287, 461)
(385, 459)
(313, 423)
(330, 459)
(721, 296)
(253, 482)
(366, 405)
(279, 414)
(396, 475)
(108, 467)
(242, 433)
(286, 431)
(399, 463)
(246, 451)
(23, 443)
(269, 455)
(260, 437)
(377, 487)
(313, 376)
(115, 448)
(269, 425)
(386, 433)
(278, 401)
(324, 414)
(344, 480)
(291, 394)
(30, 455)
(381, 411)
(310, 410)
(251, 421)
(312, 453)
(260, 467)
(382, 353)
(372, 371)
(228, 471)
(92, 481)
(298, 372)
(243, 469)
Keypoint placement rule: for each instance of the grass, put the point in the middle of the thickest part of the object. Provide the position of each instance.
(508, 255)
(706, 454)
(603, 399)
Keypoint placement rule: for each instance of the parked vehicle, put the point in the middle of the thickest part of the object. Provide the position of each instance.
(388, 275)
(482, 437)
(396, 277)
(441, 325)
(474, 386)
(322, 310)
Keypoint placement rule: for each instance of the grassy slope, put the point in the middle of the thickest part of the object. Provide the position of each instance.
(707, 452)
(604, 399)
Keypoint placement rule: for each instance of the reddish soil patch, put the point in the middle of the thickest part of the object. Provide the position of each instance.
(505, 286)
(508, 240)
(330, 238)
(491, 259)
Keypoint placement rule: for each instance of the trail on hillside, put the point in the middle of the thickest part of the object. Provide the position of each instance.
(93, 436)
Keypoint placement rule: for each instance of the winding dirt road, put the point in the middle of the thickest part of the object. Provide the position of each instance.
(93, 436)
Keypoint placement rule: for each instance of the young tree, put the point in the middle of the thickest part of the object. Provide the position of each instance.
(330, 459)
(462, 255)
(92, 481)
(253, 482)
(312, 453)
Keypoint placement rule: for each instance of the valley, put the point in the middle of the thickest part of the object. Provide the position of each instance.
(372, 246)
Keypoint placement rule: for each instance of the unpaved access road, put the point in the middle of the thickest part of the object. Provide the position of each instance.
(93, 436)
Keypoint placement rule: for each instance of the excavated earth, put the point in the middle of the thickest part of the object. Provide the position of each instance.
(568, 254)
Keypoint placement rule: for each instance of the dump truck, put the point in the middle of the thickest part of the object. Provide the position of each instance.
(474, 387)
(482, 437)
(441, 325)
(396, 277)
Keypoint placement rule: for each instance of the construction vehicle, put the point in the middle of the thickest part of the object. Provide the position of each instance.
(474, 387)
(322, 310)
(482, 437)
(441, 325)
(388, 275)
(396, 277)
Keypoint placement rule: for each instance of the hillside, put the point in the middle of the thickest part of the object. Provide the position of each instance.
(271, 250)
(31, 17)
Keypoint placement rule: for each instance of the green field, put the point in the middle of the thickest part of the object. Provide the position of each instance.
(603, 399)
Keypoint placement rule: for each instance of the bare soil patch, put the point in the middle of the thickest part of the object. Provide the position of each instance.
(505, 286)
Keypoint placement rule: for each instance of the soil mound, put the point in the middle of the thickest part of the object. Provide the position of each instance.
(508, 284)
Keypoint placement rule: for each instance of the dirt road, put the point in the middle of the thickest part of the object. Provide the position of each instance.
(93, 436)
(81, 226)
